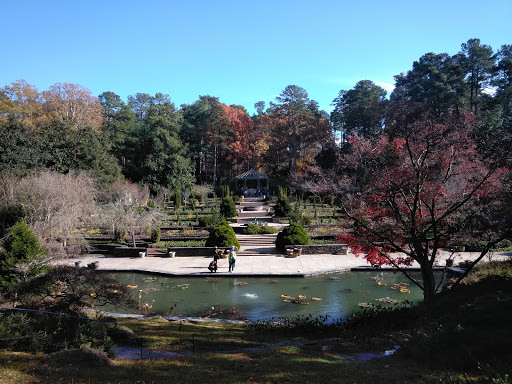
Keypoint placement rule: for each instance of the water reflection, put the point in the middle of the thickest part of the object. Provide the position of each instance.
(336, 295)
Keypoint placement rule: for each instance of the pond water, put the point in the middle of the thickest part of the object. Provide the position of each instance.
(256, 298)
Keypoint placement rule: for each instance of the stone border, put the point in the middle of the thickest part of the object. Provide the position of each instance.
(320, 249)
(192, 251)
(128, 251)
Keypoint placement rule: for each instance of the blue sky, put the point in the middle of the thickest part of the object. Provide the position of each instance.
(239, 51)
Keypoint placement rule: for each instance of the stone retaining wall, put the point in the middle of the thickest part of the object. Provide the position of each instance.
(318, 249)
(192, 251)
(128, 252)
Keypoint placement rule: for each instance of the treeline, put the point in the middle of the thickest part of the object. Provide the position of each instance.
(148, 140)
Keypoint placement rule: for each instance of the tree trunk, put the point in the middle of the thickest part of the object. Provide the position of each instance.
(429, 284)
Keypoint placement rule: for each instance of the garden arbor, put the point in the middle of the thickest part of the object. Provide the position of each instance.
(250, 182)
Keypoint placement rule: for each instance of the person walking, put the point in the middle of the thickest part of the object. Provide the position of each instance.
(232, 259)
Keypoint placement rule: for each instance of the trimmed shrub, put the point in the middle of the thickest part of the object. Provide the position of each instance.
(155, 234)
(222, 235)
(282, 208)
(294, 234)
(253, 229)
(177, 200)
(228, 207)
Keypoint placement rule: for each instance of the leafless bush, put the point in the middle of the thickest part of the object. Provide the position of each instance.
(54, 204)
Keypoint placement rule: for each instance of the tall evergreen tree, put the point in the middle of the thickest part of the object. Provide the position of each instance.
(478, 61)
(360, 110)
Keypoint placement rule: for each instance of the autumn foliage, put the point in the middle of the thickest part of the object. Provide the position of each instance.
(426, 188)
(70, 103)
(243, 133)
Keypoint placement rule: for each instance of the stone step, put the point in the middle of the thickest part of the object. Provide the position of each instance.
(246, 214)
(255, 239)
(257, 245)
(259, 252)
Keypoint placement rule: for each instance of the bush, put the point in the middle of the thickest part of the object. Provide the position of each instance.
(504, 245)
(39, 332)
(294, 234)
(254, 229)
(21, 248)
(222, 235)
(206, 221)
(237, 199)
(120, 235)
(297, 216)
(228, 207)
(283, 207)
(177, 200)
(155, 234)
(194, 203)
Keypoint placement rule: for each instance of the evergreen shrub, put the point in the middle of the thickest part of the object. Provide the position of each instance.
(254, 229)
(282, 208)
(21, 246)
(228, 207)
(156, 233)
(205, 221)
(222, 235)
(293, 234)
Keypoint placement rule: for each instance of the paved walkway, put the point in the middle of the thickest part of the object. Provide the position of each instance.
(248, 265)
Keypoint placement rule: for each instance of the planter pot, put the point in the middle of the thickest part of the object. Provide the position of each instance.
(172, 254)
(298, 251)
(94, 265)
(142, 254)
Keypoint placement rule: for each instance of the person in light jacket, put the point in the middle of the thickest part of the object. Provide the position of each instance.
(232, 259)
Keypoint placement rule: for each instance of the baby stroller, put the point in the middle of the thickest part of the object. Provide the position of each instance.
(213, 266)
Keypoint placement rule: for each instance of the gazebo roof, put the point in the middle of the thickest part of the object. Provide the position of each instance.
(251, 175)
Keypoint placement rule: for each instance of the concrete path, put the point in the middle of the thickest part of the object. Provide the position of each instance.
(248, 265)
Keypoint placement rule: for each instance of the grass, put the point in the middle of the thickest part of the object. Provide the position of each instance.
(280, 365)
(464, 338)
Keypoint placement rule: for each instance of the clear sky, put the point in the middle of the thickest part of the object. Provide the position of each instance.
(239, 51)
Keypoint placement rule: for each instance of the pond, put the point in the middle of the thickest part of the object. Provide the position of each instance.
(256, 298)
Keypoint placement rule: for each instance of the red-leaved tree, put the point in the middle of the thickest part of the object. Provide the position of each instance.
(423, 187)
(243, 127)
